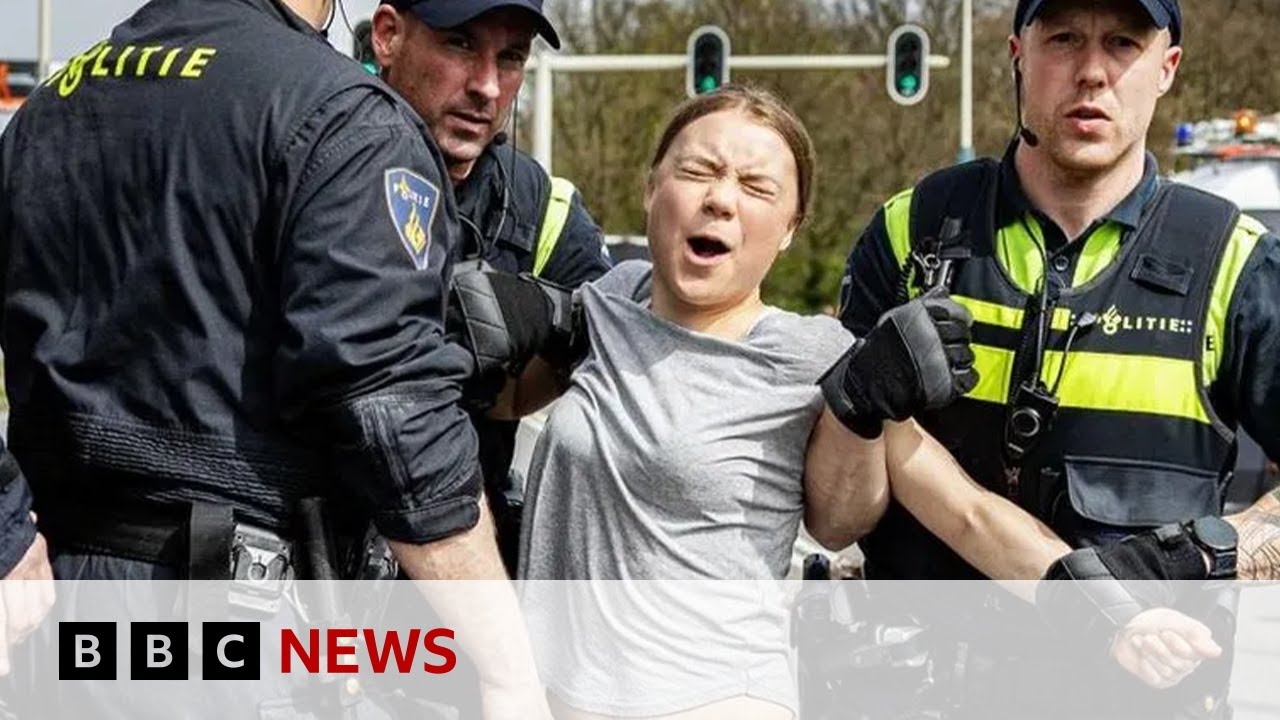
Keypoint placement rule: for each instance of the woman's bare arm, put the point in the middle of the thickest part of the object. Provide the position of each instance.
(846, 487)
(992, 534)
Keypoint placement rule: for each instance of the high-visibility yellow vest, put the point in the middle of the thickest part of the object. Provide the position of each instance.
(1135, 441)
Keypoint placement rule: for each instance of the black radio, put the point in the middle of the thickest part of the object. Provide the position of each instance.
(1031, 415)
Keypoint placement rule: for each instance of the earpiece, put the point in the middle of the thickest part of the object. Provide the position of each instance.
(1027, 136)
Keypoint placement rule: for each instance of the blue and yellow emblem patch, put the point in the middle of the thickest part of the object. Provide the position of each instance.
(412, 201)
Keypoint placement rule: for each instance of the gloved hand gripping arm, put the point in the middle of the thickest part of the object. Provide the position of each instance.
(916, 358)
(1083, 591)
(506, 320)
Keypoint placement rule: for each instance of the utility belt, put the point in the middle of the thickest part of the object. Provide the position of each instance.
(205, 541)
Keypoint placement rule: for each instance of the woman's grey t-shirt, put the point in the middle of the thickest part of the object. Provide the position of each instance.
(674, 455)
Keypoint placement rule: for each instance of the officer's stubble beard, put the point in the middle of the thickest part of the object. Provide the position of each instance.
(460, 169)
(1054, 161)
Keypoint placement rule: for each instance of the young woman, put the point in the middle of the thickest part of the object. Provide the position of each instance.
(693, 438)
(678, 451)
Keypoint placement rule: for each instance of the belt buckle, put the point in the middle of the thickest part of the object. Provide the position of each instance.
(261, 569)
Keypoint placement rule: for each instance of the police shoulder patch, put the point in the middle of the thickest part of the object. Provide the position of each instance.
(412, 201)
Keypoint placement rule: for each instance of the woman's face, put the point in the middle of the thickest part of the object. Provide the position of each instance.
(721, 204)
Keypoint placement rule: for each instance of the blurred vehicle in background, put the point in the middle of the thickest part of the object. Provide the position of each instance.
(17, 80)
(1238, 158)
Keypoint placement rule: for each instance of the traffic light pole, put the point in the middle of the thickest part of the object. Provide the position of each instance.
(966, 83)
(44, 39)
(545, 64)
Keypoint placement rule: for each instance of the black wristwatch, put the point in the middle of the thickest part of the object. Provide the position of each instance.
(1217, 538)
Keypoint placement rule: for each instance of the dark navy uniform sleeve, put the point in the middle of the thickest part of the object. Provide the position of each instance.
(1247, 388)
(16, 529)
(17, 532)
(579, 256)
(363, 364)
(871, 279)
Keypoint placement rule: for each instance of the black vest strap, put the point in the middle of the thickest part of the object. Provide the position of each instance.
(1171, 243)
(953, 212)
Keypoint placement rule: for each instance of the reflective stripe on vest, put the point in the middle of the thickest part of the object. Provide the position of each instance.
(553, 222)
(1133, 383)
(1243, 241)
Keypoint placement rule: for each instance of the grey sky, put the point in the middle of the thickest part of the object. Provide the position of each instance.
(77, 24)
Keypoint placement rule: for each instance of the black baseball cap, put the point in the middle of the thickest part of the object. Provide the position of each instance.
(1164, 13)
(445, 14)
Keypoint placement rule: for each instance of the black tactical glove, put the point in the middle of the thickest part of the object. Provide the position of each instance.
(1084, 588)
(916, 358)
(1080, 594)
(506, 319)
(1166, 553)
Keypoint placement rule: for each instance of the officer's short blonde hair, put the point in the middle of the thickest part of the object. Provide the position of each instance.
(761, 105)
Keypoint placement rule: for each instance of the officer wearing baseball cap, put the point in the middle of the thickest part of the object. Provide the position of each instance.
(1165, 14)
(1124, 325)
(460, 65)
(443, 14)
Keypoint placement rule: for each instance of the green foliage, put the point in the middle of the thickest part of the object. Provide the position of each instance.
(606, 125)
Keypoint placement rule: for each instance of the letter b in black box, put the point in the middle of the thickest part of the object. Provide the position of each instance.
(158, 651)
(86, 651)
(232, 651)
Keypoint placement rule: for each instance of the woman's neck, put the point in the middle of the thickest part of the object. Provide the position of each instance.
(731, 321)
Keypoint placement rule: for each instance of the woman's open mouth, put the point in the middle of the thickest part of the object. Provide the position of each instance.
(707, 248)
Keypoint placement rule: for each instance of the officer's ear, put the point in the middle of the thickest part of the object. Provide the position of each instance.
(1169, 63)
(388, 34)
(1015, 53)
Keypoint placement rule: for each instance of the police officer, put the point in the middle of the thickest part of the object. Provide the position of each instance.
(1124, 325)
(225, 249)
(1129, 315)
(461, 65)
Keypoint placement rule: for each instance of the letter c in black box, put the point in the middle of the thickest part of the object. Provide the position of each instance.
(232, 651)
(86, 651)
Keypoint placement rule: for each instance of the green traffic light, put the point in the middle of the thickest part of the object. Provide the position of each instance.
(707, 83)
(908, 85)
(370, 67)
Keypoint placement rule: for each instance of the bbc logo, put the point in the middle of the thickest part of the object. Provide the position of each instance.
(159, 651)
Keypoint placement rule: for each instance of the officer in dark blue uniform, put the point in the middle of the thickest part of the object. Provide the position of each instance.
(1124, 328)
(1216, 335)
(225, 252)
(460, 65)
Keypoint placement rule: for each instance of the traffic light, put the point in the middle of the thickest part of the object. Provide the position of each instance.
(708, 60)
(362, 46)
(907, 71)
